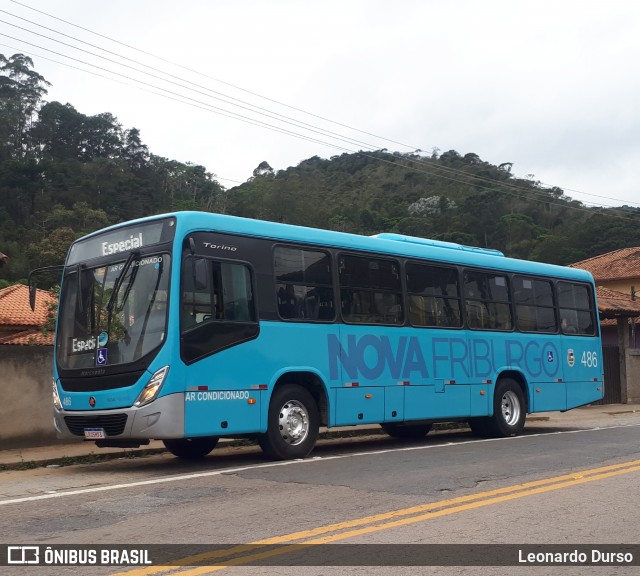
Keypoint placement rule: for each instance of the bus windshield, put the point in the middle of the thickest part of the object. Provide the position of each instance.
(114, 313)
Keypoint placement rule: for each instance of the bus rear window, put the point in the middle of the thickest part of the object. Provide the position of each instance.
(576, 310)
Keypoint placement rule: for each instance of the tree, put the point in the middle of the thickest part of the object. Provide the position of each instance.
(53, 248)
(21, 90)
(263, 169)
(135, 152)
(101, 137)
(58, 132)
(81, 218)
(431, 206)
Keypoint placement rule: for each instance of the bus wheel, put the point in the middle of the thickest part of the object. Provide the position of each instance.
(509, 412)
(191, 448)
(406, 430)
(293, 424)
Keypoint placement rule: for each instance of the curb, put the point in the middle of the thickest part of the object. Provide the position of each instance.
(131, 453)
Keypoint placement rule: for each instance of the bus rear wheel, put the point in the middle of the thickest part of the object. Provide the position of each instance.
(191, 448)
(293, 424)
(406, 430)
(509, 412)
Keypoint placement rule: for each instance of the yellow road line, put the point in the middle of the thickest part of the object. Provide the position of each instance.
(393, 519)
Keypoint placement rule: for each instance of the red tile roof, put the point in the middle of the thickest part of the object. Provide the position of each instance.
(15, 309)
(31, 337)
(613, 304)
(618, 265)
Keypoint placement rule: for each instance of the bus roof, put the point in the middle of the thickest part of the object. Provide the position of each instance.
(385, 243)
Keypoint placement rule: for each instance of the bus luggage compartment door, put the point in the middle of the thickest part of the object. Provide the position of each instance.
(359, 405)
(222, 412)
(436, 400)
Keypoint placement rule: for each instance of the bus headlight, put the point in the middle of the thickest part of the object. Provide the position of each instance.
(56, 397)
(152, 388)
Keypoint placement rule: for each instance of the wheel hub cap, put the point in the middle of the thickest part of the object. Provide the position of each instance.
(510, 408)
(294, 422)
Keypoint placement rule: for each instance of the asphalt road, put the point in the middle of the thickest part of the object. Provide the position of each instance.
(555, 485)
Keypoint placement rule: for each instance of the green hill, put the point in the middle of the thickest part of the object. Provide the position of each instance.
(64, 174)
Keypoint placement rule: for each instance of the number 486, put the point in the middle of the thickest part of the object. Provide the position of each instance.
(589, 359)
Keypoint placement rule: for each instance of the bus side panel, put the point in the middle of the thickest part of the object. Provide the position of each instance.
(582, 364)
(359, 405)
(222, 412)
(221, 388)
(549, 396)
(394, 403)
(427, 402)
(479, 399)
(581, 393)
(537, 358)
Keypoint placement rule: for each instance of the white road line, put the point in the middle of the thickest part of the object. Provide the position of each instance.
(185, 477)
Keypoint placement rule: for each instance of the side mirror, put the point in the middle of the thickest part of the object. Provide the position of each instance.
(32, 284)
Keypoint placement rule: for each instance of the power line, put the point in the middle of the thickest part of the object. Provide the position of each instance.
(216, 176)
(223, 97)
(182, 66)
(252, 108)
(405, 162)
(194, 102)
(430, 167)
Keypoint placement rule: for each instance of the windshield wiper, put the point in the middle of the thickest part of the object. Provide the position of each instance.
(117, 285)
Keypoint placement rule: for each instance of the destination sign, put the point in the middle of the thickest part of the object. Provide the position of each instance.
(122, 240)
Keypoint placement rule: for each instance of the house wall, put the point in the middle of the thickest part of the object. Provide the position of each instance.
(26, 410)
(610, 336)
(623, 286)
(610, 333)
(633, 375)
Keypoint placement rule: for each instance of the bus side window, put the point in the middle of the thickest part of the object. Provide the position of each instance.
(370, 290)
(287, 301)
(433, 295)
(535, 311)
(477, 315)
(487, 300)
(576, 308)
(303, 280)
(196, 293)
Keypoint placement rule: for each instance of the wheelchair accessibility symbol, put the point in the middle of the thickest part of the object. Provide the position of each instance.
(101, 357)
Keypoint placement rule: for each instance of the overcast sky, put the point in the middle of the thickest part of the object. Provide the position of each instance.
(551, 86)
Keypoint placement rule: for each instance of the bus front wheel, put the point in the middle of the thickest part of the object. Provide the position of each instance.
(191, 448)
(509, 412)
(293, 424)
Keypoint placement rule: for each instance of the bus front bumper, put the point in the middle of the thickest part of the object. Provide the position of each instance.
(161, 419)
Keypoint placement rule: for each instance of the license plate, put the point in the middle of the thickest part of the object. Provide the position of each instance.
(94, 433)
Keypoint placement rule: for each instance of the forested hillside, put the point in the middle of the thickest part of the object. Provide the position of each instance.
(63, 174)
(444, 196)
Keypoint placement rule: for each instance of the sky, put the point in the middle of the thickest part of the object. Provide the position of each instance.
(550, 86)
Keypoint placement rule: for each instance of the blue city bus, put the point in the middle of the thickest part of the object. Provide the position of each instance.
(190, 326)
